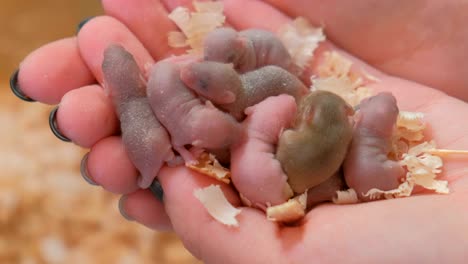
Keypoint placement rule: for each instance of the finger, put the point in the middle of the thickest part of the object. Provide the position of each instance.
(172, 4)
(108, 165)
(208, 239)
(86, 115)
(143, 207)
(51, 71)
(99, 33)
(148, 20)
(253, 14)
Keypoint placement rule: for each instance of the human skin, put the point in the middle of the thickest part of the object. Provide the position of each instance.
(314, 148)
(328, 233)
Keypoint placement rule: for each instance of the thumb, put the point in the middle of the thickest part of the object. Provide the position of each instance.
(207, 239)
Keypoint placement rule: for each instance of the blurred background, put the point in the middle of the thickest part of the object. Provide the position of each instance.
(48, 214)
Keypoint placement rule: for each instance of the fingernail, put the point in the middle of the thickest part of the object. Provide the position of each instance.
(157, 190)
(16, 89)
(84, 171)
(122, 208)
(53, 125)
(82, 23)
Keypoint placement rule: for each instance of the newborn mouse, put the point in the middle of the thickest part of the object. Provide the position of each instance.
(314, 149)
(188, 119)
(232, 92)
(146, 141)
(367, 165)
(246, 50)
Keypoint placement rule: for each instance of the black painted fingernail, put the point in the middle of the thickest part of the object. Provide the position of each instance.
(157, 190)
(84, 171)
(122, 208)
(82, 23)
(16, 89)
(53, 125)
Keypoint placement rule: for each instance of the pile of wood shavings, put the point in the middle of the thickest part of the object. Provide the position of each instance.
(301, 39)
(196, 25)
(335, 75)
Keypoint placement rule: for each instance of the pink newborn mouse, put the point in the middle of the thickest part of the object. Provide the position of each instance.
(256, 173)
(247, 50)
(189, 120)
(367, 165)
(231, 92)
(146, 141)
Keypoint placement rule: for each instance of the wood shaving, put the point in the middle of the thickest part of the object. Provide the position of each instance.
(422, 167)
(410, 126)
(213, 199)
(409, 133)
(177, 39)
(352, 93)
(345, 197)
(210, 166)
(196, 25)
(290, 211)
(301, 39)
(335, 74)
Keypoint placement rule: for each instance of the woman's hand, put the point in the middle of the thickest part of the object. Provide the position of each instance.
(429, 228)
